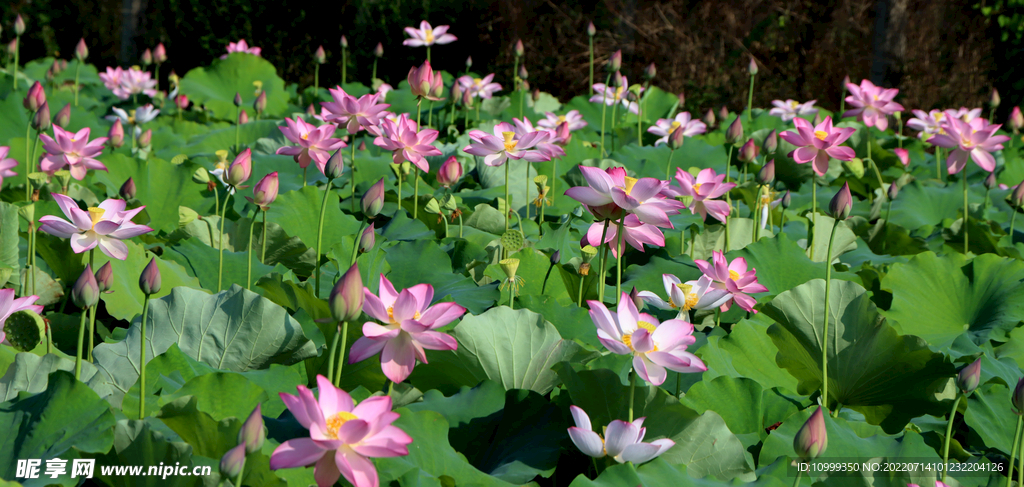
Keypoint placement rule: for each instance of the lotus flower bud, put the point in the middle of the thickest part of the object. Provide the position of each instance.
(240, 169)
(160, 53)
(379, 50)
(675, 138)
(368, 239)
(894, 190)
(467, 99)
(1016, 119)
(41, 120)
(767, 173)
(787, 199)
(817, 120)
(252, 433)
(812, 439)
(346, 300)
(556, 257)
(25, 329)
(181, 101)
(525, 86)
(591, 30)
(650, 71)
(311, 110)
(990, 181)
(362, 145)
(12, 47)
(373, 200)
(86, 293)
(344, 42)
(734, 133)
(238, 99)
(523, 73)
(993, 101)
(421, 80)
(335, 165)
(115, 137)
(1017, 399)
(519, 50)
(748, 152)
(105, 277)
(146, 138)
(437, 87)
(723, 113)
(265, 191)
(232, 462)
(752, 67)
(637, 301)
(903, 156)
(617, 79)
(149, 281)
(841, 204)
(969, 377)
(19, 25)
(320, 56)
(81, 50)
(450, 172)
(563, 133)
(63, 117)
(243, 117)
(127, 190)
(469, 62)
(771, 142)
(35, 98)
(709, 118)
(615, 61)
(147, 57)
(1017, 196)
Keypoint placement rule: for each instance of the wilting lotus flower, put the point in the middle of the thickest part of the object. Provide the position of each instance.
(354, 114)
(638, 196)
(241, 46)
(314, 143)
(265, 191)
(654, 346)
(409, 327)
(704, 189)
(483, 88)
(6, 164)
(817, 144)
(733, 277)
(343, 436)
(790, 109)
(425, 82)
(133, 82)
(872, 104)
(623, 442)
(73, 150)
(636, 235)
(507, 144)
(428, 36)
(683, 297)
(611, 95)
(104, 226)
(665, 127)
(974, 140)
(405, 142)
(9, 305)
(573, 118)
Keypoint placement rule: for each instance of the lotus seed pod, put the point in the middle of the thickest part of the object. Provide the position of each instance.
(512, 241)
(25, 329)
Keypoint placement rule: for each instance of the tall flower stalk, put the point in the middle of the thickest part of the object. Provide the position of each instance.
(840, 208)
(967, 380)
(237, 173)
(591, 30)
(752, 69)
(149, 283)
(85, 294)
(333, 170)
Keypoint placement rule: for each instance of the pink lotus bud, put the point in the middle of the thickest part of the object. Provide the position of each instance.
(467, 99)
(260, 105)
(362, 145)
(968, 378)
(63, 117)
(253, 432)
(903, 156)
(523, 73)
(105, 277)
(232, 462)
(346, 300)
(812, 439)
(894, 190)
(311, 110)
(35, 98)
(420, 79)
(842, 203)
(160, 53)
(748, 152)
(637, 301)
(709, 118)
(990, 181)
(591, 30)
(682, 98)
(994, 99)
(373, 200)
(81, 50)
(525, 85)
(615, 61)
(450, 172)
(1017, 197)
(41, 120)
(771, 142)
(519, 50)
(238, 99)
(734, 133)
(368, 239)
(265, 191)
(320, 56)
(563, 133)
(650, 71)
(146, 138)
(149, 281)
(243, 117)
(787, 199)
(846, 81)
(752, 67)
(676, 138)
(241, 168)
(723, 113)
(437, 87)
(767, 173)
(12, 47)
(344, 42)
(456, 94)
(469, 62)
(181, 101)
(147, 57)
(115, 137)
(1016, 119)
(86, 293)
(556, 257)
(1017, 399)
(379, 50)
(19, 25)
(127, 190)
(63, 64)
(617, 79)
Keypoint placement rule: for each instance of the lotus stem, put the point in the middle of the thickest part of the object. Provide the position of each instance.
(527, 194)
(220, 243)
(756, 215)
(320, 234)
(353, 174)
(460, 225)
(874, 167)
(341, 353)
(591, 42)
(92, 330)
(344, 64)
(508, 207)
(938, 163)
(604, 101)
(1020, 459)
(304, 176)
(316, 81)
(142, 359)
(238, 127)
(632, 392)
(1012, 219)
(824, 335)
(1013, 452)
(373, 76)
(579, 299)
(430, 113)
(263, 251)
(355, 244)
(949, 433)
(444, 218)
(750, 100)
(728, 198)
(248, 255)
(78, 66)
(331, 352)
(428, 54)
(28, 155)
(399, 186)
(615, 124)
(32, 253)
(416, 195)
(81, 337)
(241, 474)
(604, 259)
(842, 102)
(622, 250)
(814, 212)
(796, 481)
(963, 177)
(885, 224)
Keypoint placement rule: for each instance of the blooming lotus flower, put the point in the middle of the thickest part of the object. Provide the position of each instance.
(872, 104)
(241, 46)
(73, 150)
(636, 234)
(6, 164)
(623, 443)
(9, 305)
(409, 327)
(428, 36)
(683, 297)
(938, 483)
(638, 196)
(507, 143)
(703, 189)
(133, 82)
(550, 146)
(405, 142)
(573, 118)
(790, 109)
(610, 95)
(104, 226)
(343, 436)
(112, 77)
(314, 143)
(144, 114)
(733, 277)
(665, 127)
(654, 346)
(354, 114)
(929, 124)
(974, 140)
(817, 144)
(483, 88)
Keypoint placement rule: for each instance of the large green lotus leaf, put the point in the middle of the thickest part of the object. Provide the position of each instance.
(137, 443)
(516, 348)
(47, 425)
(215, 86)
(888, 377)
(945, 298)
(658, 472)
(422, 261)
(746, 407)
(703, 441)
(989, 415)
(925, 204)
(1013, 348)
(221, 395)
(712, 238)
(235, 330)
(845, 239)
(299, 211)
(125, 302)
(30, 373)
(217, 139)
(9, 240)
(12, 126)
(746, 352)
(202, 261)
(522, 429)
(572, 322)
(782, 265)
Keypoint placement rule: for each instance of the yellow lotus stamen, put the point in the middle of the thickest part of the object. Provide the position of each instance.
(618, 92)
(96, 214)
(478, 81)
(430, 37)
(391, 315)
(696, 187)
(628, 339)
(630, 182)
(794, 104)
(561, 119)
(734, 275)
(510, 142)
(334, 423)
(820, 134)
(691, 297)
(305, 136)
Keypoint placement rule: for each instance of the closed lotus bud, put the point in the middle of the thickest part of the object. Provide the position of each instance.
(149, 281)
(523, 73)
(240, 169)
(812, 439)
(591, 30)
(617, 79)
(238, 99)
(81, 50)
(1016, 119)
(421, 80)
(115, 137)
(320, 56)
(311, 110)
(368, 239)
(127, 190)
(379, 50)
(990, 181)
(525, 85)
(41, 120)
(650, 71)
(147, 57)
(894, 190)
(362, 145)
(723, 113)
(675, 138)
(160, 53)
(968, 378)
(469, 62)
(637, 301)
(767, 173)
(748, 152)
(146, 138)
(35, 98)
(346, 300)
(994, 100)
(243, 117)
(563, 133)
(450, 172)
(556, 257)
(817, 119)
(682, 98)
(846, 81)
(105, 277)
(1017, 197)
(787, 199)
(456, 93)
(752, 67)
(842, 203)
(86, 292)
(519, 50)
(344, 42)
(19, 25)
(771, 142)
(709, 118)
(63, 117)
(181, 101)
(373, 200)
(265, 191)
(734, 133)
(253, 432)
(615, 61)
(335, 165)
(1018, 397)
(232, 462)
(437, 87)
(902, 155)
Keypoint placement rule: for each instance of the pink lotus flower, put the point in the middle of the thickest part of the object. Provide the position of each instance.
(507, 143)
(427, 36)
(104, 226)
(817, 144)
(930, 124)
(623, 443)
(734, 278)
(683, 297)
(405, 142)
(6, 164)
(314, 143)
(974, 140)
(354, 114)
(73, 150)
(872, 104)
(343, 436)
(383, 90)
(112, 78)
(903, 156)
(654, 346)
(483, 88)
(938, 483)
(9, 305)
(134, 81)
(410, 324)
(573, 118)
(636, 234)
(265, 191)
(638, 196)
(703, 189)
(790, 109)
(241, 46)
(665, 127)
(610, 95)
(549, 147)
(425, 82)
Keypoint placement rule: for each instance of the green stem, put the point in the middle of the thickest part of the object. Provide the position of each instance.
(842, 103)
(460, 225)
(142, 359)
(579, 298)
(1020, 458)
(263, 251)
(17, 59)
(353, 208)
(28, 155)
(756, 216)
(938, 163)
(622, 250)
(949, 433)
(639, 133)
(1013, 452)
(511, 297)
(796, 481)
(241, 474)
(304, 176)
(874, 167)
(615, 122)
(604, 108)
(814, 212)
(341, 353)
(316, 81)
(415, 194)
(668, 171)
(373, 76)
(824, 334)
(885, 224)
(1012, 218)
(248, 255)
(508, 207)
(92, 330)
(430, 113)
(32, 253)
(728, 198)
(632, 392)
(320, 234)
(220, 243)
(156, 77)
(355, 244)
(963, 177)
(331, 352)
(238, 127)
(344, 64)
(527, 197)
(604, 258)
(428, 54)
(81, 338)
(399, 186)
(444, 218)
(591, 42)
(750, 101)
(78, 66)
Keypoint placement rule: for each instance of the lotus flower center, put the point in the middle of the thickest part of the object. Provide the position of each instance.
(937, 116)
(96, 214)
(429, 36)
(561, 119)
(734, 275)
(477, 81)
(820, 134)
(305, 136)
(691, 297)
(628, 339)
(391, 315)
(696, 187)
(630, 182)
(510, 142)
(794, 104)
(675, 125)
(618, 92)
(334, 423)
